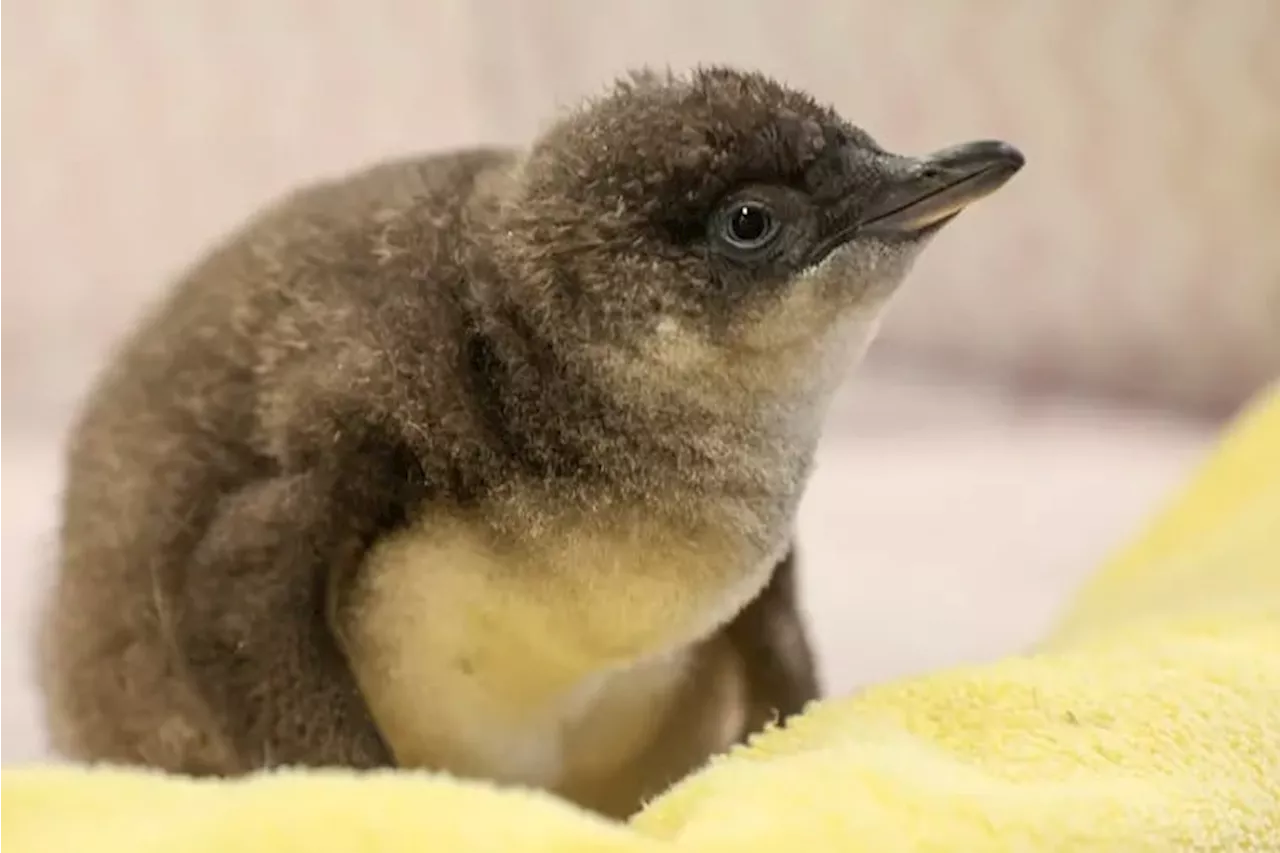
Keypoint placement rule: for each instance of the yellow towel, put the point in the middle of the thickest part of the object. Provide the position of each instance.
(1149, 722)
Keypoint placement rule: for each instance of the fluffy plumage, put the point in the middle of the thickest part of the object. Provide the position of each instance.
(483, 461)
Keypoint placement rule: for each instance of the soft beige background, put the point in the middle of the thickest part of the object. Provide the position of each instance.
(1135, 262)
(1137, 254)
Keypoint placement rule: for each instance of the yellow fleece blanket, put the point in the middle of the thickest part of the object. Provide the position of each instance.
(1149, 722)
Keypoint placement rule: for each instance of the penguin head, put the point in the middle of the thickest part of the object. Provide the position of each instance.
(704, 222)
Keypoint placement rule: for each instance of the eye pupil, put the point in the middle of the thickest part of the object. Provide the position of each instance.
(749, 223)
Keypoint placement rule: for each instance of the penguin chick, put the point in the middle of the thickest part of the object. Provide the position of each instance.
(488, 461)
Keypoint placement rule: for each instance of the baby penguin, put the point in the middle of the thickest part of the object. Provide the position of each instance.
(488, 461)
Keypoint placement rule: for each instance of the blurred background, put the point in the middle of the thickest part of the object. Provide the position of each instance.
(1062, 356)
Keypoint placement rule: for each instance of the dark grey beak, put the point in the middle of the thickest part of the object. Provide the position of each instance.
(925, 191)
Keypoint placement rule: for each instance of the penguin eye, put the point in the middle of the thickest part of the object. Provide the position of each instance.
(749, 225)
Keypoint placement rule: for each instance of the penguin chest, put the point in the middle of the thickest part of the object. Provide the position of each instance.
(547, 660)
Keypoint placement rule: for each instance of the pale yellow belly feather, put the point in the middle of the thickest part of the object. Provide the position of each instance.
(544, 663)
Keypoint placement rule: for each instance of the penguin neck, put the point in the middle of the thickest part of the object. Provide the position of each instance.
(617, 436)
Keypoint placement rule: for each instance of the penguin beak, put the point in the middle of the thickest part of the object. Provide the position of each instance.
(927, 191)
